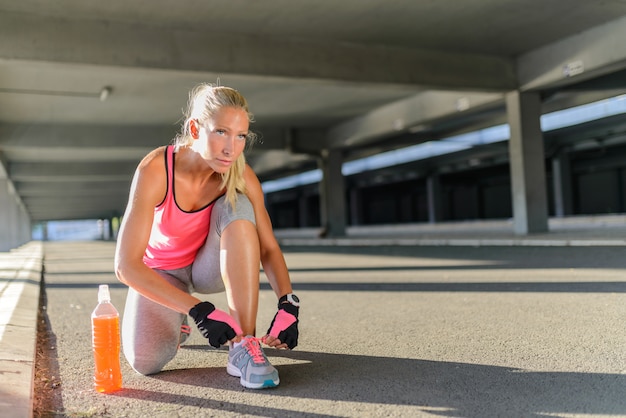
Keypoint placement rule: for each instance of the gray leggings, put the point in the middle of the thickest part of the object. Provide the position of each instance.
(150, 331)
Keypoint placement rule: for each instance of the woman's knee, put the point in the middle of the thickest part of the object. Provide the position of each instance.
(145, 362)
(150, 334)
(144, 367)
(224, 214)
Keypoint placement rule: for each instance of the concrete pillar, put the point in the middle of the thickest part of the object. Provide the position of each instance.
(27, 225)
(562, 185)
(14, 220)
(526, 154)
(303, 211)
(110, 226)
(355, 206)
(24, 227)
(103, 229)
(433, 196)
(332, 199)
(5, 217)
(12, 209)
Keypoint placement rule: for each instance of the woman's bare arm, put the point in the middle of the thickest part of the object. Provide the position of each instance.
(147, 190)
(272, 257)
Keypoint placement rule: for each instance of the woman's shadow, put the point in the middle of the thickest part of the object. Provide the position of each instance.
(437, 387)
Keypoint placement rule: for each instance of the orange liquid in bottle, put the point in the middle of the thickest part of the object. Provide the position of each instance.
(106, 352)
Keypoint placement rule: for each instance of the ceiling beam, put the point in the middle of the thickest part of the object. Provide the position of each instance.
(71, 171)
(414, 114)
(84, 136)
(591, 53)
(96, 42)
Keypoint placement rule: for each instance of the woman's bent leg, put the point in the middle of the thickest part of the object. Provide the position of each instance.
(150, 332)
(239, 262)
(232, 254)
(230, 260)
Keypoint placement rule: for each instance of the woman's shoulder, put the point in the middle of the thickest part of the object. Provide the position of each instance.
(248, 171)
(249, 175)
(253, 185)
(154, 159)
(151, 177)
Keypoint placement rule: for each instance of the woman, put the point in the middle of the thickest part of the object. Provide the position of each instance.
(196, 223)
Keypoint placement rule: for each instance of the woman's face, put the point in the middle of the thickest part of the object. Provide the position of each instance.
(222, 139)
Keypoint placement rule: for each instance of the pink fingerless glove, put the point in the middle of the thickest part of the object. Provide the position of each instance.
(214, 324)
(221, 316)
(284, 326)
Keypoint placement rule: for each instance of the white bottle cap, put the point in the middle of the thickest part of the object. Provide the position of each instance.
(103, 293)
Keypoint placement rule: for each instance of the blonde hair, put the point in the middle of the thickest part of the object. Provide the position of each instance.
(204, 101)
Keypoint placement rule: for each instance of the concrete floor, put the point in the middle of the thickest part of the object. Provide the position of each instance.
(487, 331)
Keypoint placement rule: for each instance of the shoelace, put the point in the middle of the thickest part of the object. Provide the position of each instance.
(253, 347)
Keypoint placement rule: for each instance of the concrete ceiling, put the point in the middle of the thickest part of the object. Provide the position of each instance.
(354, 75)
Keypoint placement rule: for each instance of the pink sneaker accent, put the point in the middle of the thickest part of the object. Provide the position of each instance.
(185, 329)
(254, 348)
(247, 361)
(185, 332)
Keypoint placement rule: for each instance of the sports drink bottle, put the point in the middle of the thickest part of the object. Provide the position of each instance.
(105, 333)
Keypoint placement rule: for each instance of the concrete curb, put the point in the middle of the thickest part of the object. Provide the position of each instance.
(20, 280)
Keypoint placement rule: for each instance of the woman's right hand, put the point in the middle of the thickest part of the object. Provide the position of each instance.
(214, 324)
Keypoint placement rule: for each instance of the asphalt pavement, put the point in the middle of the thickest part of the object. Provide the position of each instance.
(467, 325)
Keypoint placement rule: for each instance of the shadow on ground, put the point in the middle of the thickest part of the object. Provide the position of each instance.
(443, 388)
(520, 257)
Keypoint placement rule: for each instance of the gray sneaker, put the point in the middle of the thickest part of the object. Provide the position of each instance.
(248, 362)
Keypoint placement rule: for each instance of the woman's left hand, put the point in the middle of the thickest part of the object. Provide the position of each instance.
(274, 342)
(283, 331)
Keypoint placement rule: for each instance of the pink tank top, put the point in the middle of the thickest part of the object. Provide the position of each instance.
(176, 234)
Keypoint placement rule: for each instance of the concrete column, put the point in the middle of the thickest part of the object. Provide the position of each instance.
(14, 220)
(110, 230)
(44, 226)
(5, 217)
(433, 195)
(332, 200)
(355, 205)
(103, 229)
(12, 209)
(526, 154)
(26, 225)
(562, 185)
(303, 211)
